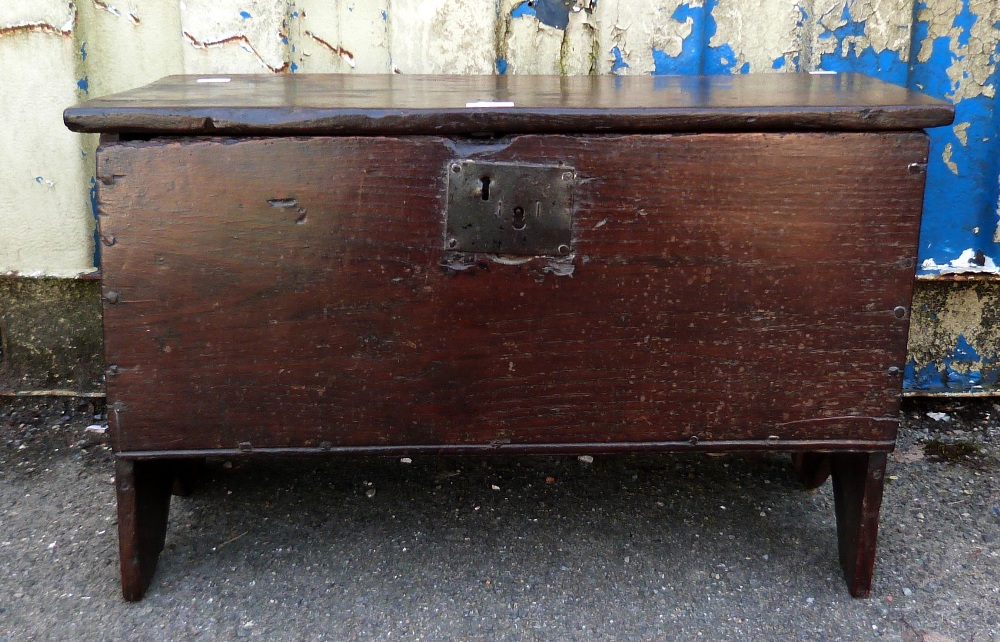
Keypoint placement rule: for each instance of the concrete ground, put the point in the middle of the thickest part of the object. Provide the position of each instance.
(666, 547)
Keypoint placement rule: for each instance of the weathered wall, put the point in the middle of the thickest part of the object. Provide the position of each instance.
(954, 334)
(54, 52)
(50, 337)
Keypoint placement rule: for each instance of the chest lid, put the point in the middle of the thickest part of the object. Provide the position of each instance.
(357, 104)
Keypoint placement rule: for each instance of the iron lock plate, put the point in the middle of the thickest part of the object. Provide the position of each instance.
(509, 208)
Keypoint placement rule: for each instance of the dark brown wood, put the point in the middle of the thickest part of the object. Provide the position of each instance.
(858, 479)
(812, 468)
(722, 287)
(719, 291)
(189, 473)
(569, 448)
(403, 104)
(143, 489)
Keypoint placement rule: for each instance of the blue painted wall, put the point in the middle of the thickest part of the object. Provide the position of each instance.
(961, 209)
(959, 232)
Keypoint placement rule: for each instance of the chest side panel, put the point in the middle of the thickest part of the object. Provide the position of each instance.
(297, 293)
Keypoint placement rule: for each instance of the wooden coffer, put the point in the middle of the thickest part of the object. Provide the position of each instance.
(418, 264)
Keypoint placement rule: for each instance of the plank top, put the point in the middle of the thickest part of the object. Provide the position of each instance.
(334, 104)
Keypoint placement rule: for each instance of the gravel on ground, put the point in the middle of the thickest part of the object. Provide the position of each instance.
(650, 547)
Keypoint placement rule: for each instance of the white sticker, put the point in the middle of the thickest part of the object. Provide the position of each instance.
(488, 103)
(823, 72)
(214, 79)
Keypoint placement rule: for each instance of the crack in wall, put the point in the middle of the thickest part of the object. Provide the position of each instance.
(949, 48)
(236, 39)
(337, 50)
(131, 14)
(35, 27)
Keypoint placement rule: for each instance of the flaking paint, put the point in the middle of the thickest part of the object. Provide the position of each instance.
(59, 51)
(954, 334)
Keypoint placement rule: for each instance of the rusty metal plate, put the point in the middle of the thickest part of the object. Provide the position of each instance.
(509, 208)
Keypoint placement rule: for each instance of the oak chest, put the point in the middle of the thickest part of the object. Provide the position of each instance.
(417, 264)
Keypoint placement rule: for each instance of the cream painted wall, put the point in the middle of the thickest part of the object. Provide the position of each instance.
(56, 52)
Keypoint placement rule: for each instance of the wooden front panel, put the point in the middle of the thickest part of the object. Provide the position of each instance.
(723, 286)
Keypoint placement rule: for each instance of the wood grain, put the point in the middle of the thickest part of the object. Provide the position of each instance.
(858, 480)
(723, 287)
(404, 104)
(143, 491)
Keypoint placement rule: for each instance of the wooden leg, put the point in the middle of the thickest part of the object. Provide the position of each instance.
(812, 468)
(188, 474)
(143, 504)
(857, 492)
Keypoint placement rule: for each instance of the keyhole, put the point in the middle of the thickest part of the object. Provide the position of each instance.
(518, 218)
(485, 180)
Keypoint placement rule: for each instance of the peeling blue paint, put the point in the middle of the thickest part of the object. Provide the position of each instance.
(84, 85)
(619, 62)
(697, 56)
(952, 225)
(385, 16)
(926, 378)
(501, 65)
(245, 15)
(83, 51)
(931, 77)
(721, 59)
(964, 21)
(293, 67)
(522, 10)
(885, 64)
(689, 59)
(960, 206)
(663, 64)
(93, 209)
(963, 369)
(965, 352)
(961, 199)
(554, 13)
